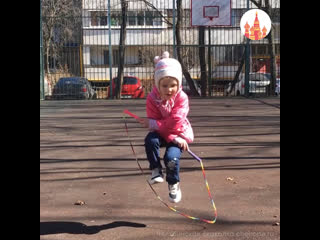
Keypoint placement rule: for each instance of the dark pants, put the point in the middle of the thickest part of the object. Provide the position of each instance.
(153, 142)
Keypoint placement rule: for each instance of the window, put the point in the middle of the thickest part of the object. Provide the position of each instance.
(134, 18)
(157, 21)
(275, 15)
(140, 18)
(115, 57)
(128, 80)
(131, 19)
(115, 18)
(149, 18)
(144, 18)
(152, 18)
(261, 49)
(236, 16)
(170, 15)
(99, 56)
(99, 18)
(187, 17)
(278, 49)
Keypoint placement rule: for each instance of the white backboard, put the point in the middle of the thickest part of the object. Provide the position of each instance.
(210, 13)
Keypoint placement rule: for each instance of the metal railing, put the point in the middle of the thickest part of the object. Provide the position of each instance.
(76, 41)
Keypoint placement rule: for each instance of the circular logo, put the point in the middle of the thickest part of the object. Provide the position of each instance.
(255, 24)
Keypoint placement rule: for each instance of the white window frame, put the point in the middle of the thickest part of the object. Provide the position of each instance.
(157, 23)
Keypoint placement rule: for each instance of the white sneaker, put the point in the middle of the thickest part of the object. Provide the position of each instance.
(156, 176)
(174, 193)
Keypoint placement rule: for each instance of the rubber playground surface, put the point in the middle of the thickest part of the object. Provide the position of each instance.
(91, 186)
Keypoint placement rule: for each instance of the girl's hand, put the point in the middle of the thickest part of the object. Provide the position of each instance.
(144, 122)
(182, 143)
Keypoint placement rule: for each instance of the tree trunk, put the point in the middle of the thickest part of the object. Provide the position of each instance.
(272, 52)
(236, 77)
(47, 59)
(271, 46)
(202, 57)
(273, 72)
(124, 7)
(185, 72)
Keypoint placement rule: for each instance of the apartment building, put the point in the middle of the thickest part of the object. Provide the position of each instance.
(150, 31)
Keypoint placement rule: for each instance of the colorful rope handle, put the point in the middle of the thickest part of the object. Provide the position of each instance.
(154, 191)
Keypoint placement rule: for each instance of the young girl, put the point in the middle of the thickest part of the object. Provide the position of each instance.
(167, 110)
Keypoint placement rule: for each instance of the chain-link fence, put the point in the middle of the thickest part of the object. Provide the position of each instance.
(97, 39)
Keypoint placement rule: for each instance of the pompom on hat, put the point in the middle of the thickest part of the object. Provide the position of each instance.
(167, 67)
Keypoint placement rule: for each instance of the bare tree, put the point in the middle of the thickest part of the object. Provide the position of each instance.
(150, 5)
(185, 71)
(272, 50)
(236, 77)
(267, 8)
(61, 23)
(124, 9)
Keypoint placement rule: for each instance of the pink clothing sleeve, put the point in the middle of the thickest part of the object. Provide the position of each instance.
(176, 124)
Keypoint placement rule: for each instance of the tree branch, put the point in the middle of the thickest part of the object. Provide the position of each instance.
(258, 4)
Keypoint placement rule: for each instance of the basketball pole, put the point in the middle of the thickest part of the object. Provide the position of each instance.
(209, 62)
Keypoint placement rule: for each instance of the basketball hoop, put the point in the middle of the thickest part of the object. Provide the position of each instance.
(211, 12)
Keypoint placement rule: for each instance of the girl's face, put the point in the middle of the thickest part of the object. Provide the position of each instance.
(168, 87)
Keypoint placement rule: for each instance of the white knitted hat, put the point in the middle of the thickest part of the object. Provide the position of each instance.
(167, 67)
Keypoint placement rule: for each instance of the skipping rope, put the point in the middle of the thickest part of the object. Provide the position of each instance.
(154, 191)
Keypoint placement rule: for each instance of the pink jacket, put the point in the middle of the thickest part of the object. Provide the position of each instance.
(169, 118)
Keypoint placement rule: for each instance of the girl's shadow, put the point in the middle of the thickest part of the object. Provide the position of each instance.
(80, 228)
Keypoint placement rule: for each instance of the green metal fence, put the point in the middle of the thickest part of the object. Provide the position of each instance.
(83, 38)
